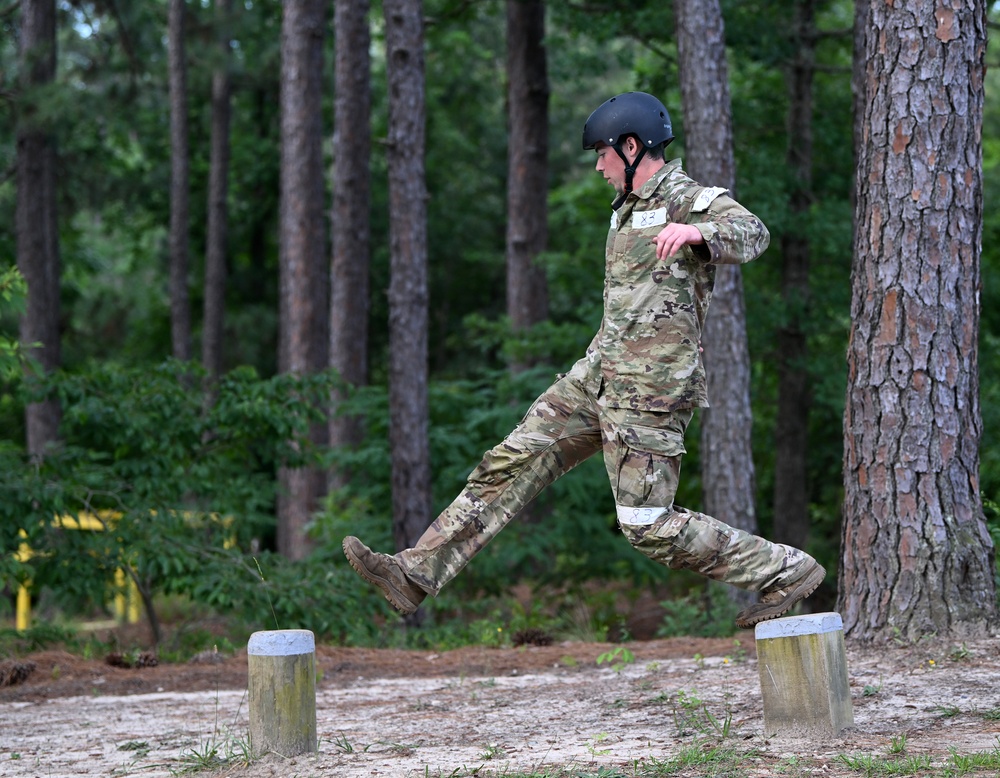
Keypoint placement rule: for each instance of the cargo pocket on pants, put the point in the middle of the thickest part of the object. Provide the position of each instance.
(649, 463)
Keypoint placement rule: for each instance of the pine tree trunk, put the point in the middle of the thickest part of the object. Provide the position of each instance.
(727, 467)
(304, 304)
(36, 217)
(791, 494)
(218, 212)
(180, 305)
(408, 296)
(917, 558)
(351, 238)
(527, 165)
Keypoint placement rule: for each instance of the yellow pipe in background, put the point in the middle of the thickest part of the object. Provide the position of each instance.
(22, 616)
(22, 610)
(126, 604)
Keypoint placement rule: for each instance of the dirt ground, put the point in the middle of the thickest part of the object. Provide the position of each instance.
(537, 710)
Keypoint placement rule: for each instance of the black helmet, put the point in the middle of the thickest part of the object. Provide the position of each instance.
(632, 113)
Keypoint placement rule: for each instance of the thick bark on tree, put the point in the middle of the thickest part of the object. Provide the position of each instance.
(916, 555)
(218, 213)
(408, 294)
(180, 300)
(36, 217)
(304, 305)
(350, 219)
(527, 164)
(791, 434)
(727, 467)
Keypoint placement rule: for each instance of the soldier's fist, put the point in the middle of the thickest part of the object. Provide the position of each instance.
(673, 236)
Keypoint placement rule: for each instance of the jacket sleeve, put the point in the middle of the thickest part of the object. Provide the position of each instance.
(732, 234)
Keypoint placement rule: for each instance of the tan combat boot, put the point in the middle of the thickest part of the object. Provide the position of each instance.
(386, 573)
(775, 602)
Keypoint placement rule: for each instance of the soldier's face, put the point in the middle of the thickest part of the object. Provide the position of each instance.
(610, 165)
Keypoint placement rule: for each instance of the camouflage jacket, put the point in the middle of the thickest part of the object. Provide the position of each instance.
(647, 353)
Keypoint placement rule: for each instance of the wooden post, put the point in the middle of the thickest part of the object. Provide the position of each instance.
(282, 691)
(803, 676)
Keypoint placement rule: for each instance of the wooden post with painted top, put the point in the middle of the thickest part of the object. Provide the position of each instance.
(282, 691)
(802, 662)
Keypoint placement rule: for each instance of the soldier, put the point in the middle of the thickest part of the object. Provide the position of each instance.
(631, 396)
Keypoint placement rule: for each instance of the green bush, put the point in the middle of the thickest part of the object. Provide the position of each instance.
(707, 613)
(180, 479)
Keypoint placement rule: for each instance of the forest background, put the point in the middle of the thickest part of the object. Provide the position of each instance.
(143, 434)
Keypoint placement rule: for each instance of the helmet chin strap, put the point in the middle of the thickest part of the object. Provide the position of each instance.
(629, 169)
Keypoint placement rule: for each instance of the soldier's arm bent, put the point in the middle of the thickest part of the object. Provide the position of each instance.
(727, 234)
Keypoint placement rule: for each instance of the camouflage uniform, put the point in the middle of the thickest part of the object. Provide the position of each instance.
(631, 397)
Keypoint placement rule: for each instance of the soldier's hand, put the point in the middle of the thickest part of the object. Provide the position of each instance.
(673, 236)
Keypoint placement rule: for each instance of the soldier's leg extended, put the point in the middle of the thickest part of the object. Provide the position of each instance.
(643, 454)
(560, 430)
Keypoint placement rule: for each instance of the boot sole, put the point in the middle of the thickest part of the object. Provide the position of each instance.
(396, 601)
(799, 592)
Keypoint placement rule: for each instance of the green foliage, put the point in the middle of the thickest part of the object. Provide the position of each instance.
(176, 479)
(706, 613)
(37, 637)
(720, 760)
(692, 715)
(617, 658)
(870, 765)
(13, 291)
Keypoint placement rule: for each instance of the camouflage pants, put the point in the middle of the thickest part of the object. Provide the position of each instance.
(642, 454)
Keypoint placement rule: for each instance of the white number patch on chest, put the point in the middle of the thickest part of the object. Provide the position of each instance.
(642, 219)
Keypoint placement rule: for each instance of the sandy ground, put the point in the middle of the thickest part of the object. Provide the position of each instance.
(494, 712)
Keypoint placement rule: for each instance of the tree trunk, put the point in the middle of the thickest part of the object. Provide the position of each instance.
(527, 165)
(350, 219)
(791, 495)
(304, 304)
(36, 217)
(180, 306)
(408, 296)
(727, 467)
(917, 558)
(218, 213)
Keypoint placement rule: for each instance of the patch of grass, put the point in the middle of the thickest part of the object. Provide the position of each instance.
(897, 745)
(719, 760)
(691, 714)
(871, 690)
(492, 751)
(981, 760)
(343, 744)
(871, 765)
(206, 756)
(214, 753)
